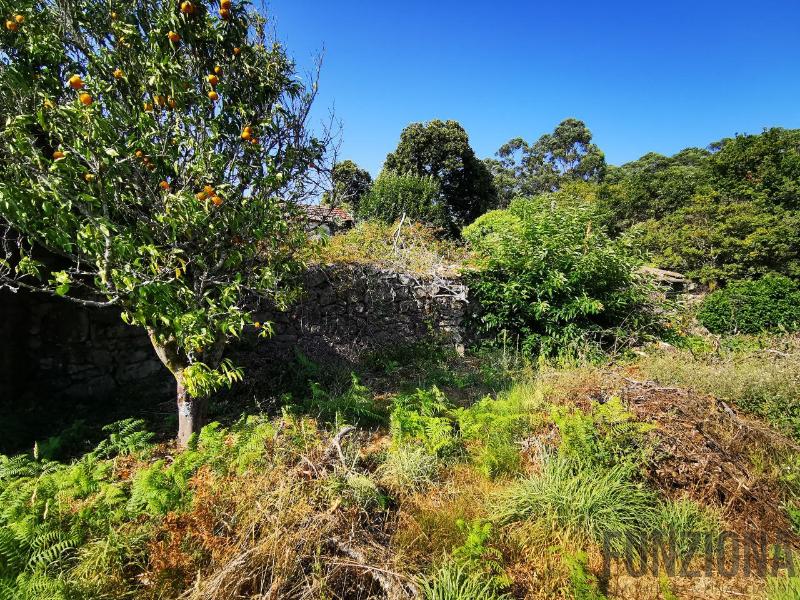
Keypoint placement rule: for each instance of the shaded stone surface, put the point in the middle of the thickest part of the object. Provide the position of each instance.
(55, 353)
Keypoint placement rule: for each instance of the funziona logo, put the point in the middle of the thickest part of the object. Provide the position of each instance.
(726, 555)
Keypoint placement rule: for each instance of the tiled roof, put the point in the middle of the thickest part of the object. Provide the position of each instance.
(326, 213)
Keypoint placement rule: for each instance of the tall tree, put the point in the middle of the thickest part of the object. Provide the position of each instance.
(441, 149)
(157, 149)
(653, 186)
(565, 155)
(350, 183)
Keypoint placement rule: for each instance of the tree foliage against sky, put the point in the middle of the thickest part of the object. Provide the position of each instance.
(350, 183)
(566, 155)
(156, 149)
(441, 150)
(727, 213)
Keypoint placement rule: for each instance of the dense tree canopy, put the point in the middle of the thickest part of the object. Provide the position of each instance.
(565, 155)
(156, 148)
(350, 183)
(722, 214)
(441, 149)
(653, 186)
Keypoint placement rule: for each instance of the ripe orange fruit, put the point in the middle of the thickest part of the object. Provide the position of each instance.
(213, 96)
(19, 19)
(86, 99)
(171, 102)
(118, 74)
(164, 185)
(114, 16)
(89, 177)
(75, 82)
(247, 133)
(254, 141)
(160, 100)
(212, 79)
(139, 154)
(216, 200)
(148, 107)
(11, 25)
(200, 196)
(225, 13)
(208, 190)
(174, 37)
(225, 4)
(237, 51)
(218, 70)
(58, 154)
(187, 8)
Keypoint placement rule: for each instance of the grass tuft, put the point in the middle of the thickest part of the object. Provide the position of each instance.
(588, 504)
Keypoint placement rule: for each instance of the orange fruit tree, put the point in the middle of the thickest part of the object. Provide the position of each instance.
(129, 211)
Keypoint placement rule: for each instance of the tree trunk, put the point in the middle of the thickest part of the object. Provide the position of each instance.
(191, 413)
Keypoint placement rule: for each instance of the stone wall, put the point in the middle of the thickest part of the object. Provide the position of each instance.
(54, 348)
(347, 311)
(56, 354)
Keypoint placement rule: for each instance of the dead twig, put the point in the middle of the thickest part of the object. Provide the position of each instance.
(394, 585)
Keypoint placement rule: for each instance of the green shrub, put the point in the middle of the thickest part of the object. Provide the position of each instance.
(584, 584)
(477, 557)
(425, 418)
(494, 427)
(394, 195)
(771, 303)
(550, 277)
(588, 504)
(354, 405)
(488, 432)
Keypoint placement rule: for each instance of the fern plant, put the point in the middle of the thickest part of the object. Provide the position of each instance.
(427, 418)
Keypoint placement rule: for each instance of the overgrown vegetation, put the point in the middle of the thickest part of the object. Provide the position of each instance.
(726, 213)
(762, 379)
(470, 497)
(156, 152)
(549, 277)
(404, 246)
(771, 303)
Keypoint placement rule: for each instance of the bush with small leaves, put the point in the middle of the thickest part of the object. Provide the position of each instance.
(769, 304)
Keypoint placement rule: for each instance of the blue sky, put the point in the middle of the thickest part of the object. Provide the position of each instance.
(647, 75)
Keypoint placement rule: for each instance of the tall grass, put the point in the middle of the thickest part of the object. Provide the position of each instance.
(453, 582)
(687, 525)
(587, 504)
(783, 588)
